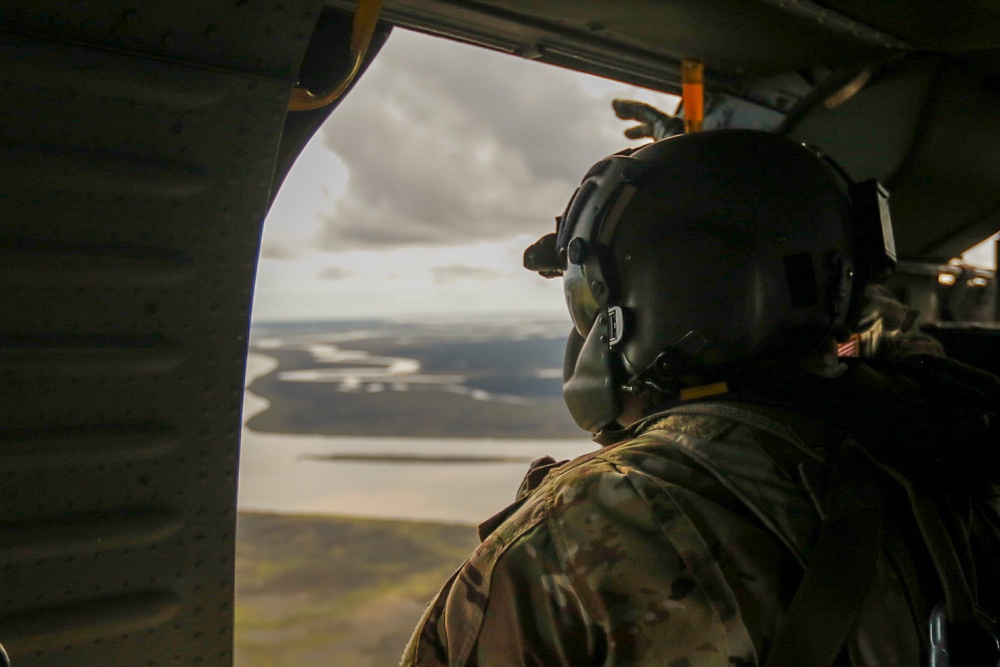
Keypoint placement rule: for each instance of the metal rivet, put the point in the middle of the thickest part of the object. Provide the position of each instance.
(597, 287)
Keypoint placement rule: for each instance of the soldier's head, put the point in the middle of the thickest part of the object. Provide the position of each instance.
(697, 256)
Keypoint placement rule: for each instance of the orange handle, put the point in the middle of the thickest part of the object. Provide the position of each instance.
(693, 94)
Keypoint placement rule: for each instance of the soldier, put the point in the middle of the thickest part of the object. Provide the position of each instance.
(757, 500)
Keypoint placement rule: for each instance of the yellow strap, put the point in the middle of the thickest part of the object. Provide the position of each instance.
(365, 20)
(691, 393)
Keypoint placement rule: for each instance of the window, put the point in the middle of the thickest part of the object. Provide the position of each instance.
(404, 368)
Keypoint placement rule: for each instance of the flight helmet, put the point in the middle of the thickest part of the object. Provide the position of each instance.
(700, 255)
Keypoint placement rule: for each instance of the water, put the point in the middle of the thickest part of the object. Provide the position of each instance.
(376, 373)
(279, 473)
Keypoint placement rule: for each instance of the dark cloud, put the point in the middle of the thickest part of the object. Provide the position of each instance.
(448, 144)
(536, 109)
(334, 273)
(453, 273)
(279, 249)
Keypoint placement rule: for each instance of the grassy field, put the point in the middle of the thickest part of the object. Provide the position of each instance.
(336, 591)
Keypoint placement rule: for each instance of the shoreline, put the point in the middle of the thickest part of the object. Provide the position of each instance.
(273, 405)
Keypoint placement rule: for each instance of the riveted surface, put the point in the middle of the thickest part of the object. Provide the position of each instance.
(138, 146)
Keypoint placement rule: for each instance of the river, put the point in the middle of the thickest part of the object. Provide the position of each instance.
(288, 473)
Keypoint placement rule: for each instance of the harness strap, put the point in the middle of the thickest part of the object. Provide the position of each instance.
(843, 559)
(958, 596)
(839, 571)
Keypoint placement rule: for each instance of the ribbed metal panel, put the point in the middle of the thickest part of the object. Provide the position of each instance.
(86, 445)
(90, 620)
(77, 535)
(136, 152)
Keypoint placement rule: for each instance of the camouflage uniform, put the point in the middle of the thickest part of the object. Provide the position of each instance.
(680, 547)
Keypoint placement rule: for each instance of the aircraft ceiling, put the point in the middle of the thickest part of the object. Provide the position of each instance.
(736, 38)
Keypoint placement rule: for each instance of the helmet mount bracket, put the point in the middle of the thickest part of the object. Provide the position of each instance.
(616, 325)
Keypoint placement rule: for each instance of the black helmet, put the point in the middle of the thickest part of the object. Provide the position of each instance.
(701, 254)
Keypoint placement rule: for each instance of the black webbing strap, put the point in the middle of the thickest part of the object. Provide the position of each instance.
(839, 571)
(958, 595)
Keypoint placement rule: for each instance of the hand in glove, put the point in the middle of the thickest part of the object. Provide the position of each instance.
(654, 123)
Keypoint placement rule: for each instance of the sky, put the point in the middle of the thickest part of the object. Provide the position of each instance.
(982, 254)
(420, 193)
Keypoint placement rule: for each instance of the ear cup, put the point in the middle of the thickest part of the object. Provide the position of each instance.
(590, 383)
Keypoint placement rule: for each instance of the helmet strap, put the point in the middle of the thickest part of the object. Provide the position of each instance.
(668, 367)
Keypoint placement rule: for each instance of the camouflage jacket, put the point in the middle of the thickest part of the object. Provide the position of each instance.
(680, 547)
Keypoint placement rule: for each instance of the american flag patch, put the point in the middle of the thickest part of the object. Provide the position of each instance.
(848, 349)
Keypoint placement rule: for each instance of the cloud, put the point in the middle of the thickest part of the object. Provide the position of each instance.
(334, 273)
(273, 248)
(447, 144)
(455, 273)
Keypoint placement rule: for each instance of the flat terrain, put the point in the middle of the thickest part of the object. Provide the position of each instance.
(474, 382)
(337, 591)
(348, 592)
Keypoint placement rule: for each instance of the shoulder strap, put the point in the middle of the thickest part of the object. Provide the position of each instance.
(840, 569)
(841, 562)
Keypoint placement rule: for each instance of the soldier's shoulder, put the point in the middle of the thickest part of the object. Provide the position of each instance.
(600, 482)
(657, 439)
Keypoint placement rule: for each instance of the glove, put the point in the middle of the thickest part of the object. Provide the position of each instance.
(654, 123)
